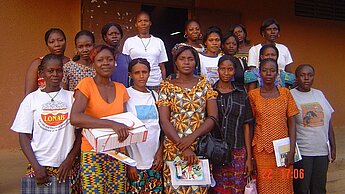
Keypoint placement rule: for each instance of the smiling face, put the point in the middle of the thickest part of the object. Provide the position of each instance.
(193, 31)
(84, 45)
(268, 72)
(226, 71)
(104, 63)
(56, 43)
(139, 74)
(230, 46)
(212, 43)
(113, 36)
(143, 23)
(185, 62)
(271, 33)
(52, 73)
(305, 78)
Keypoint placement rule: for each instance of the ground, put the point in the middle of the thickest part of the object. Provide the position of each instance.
(13, 163)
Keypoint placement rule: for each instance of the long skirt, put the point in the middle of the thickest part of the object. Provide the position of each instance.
(271, 179)
(150, 181)
(101, 173)
(229, 177)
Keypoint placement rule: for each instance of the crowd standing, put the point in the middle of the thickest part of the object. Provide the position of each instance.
(219, 81)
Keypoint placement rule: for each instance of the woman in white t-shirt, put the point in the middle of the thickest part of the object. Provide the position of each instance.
(146, 176)
(48, 140)
(314, 134)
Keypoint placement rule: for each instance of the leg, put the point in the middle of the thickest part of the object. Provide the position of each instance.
(319, 175)
(301, 186)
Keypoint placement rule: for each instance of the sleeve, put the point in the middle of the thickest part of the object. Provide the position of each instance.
(125, 93)
(125, 49)
(250, 77)
(291, 107)
(163, 55)
(84, 87)
(164, 95)
(65, 77)
(24, 121)
(210, 93)
(327, 104)
(248, 114)
(288, 59)
(252, 57)
(252, 101)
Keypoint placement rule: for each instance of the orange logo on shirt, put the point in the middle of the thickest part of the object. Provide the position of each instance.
(53, 119)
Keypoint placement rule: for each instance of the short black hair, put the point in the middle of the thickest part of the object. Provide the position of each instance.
(142, 13)
(136, 61)
(210, 30)
(194, 53)
(106, 28)
(300, 67)
(226, 58)
(267, 23)
(186, 24)
(232, 29)
(268, 60)
(47, 58)
(267, 46)
(52, 30)
(84, 33)
(228, 35)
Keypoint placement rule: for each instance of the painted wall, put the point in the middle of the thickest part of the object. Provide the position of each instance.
(23, 24)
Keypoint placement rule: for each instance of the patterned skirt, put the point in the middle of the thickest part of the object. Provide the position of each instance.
(101, 173)
(150, 181)
(229, 177)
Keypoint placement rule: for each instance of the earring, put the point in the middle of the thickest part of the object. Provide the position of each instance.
(200, 36)
(185, 36)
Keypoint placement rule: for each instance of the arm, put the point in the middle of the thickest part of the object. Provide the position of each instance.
(248, 144)
(251, 86)
(40, 171)
(31, 77)
(158, 159)
(292, 135)
(162, 67)
(80, 119)
(167, 127)
(288, 68)
(331, 137)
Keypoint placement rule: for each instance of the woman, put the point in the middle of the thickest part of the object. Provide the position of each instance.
(270, 31)
(314, 133)
(95, 98)
(112, 34)
(146, 176)
(244, 44)
(235, 114)
(253, 79)
(145, 45)
(56, 43)
(274, 109)
(230, 47)
(81, 66)
(48, 140)
(209, 58)
(185, 94)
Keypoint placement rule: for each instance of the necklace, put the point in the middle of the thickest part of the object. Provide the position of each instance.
(52, 98)
(145, 46)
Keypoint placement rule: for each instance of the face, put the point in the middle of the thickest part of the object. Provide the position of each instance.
(52, 73)
(143, 24)
(193, 31)
(230, 46)
(84, 45)
(185, 62)
(269, 53)
(268, 72)
(226, 71)
(213, 43)
(271, 33)
(238, 31)
(113, 36)
(104, 63)
(56, 43)
(305, 78)
(140, 74)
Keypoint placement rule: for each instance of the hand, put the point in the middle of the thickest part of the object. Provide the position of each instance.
(189, 156)
(333, 155)
(41, 175)
(158, 160)
(132, 173)
(289, 160)
(65, 169)
(248, 168)
(121, 130)
(185, 142)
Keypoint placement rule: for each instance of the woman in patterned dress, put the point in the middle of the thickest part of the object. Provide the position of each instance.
(274, 109)
(183, 104)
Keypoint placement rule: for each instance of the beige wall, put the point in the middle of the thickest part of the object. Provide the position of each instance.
(23, 24)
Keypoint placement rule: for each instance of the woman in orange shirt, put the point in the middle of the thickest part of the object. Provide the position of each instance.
(274, 109)
(96, 98)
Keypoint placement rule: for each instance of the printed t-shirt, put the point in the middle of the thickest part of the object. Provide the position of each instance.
(209, 67)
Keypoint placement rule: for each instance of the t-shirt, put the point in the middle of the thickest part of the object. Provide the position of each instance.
(49, 123)
(142, 105)
(209, 67)
(284, 57)
(120, 73)
(312, 122)
(97, 107)
(153, 50)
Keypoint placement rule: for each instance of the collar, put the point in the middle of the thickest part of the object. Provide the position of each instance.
(236, 88)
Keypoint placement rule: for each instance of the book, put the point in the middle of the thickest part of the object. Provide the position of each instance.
(281, 148)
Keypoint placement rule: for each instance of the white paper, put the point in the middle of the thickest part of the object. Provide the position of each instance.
(121, 157)
(281, 148)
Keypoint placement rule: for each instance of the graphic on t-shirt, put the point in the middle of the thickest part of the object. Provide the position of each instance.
(146, 112)
(54, 116)
(312, 114)
(212, 74)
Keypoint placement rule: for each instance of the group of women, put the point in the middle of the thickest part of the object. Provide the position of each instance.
(240, 88)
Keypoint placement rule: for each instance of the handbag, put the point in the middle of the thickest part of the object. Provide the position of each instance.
(213, 148)
(250, 186)
(28, 185)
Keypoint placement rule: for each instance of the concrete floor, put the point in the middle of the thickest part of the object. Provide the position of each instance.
(13, 163)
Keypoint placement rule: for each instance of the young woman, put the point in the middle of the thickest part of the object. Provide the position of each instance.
(95, 98)
(81, 66)
(314, 133)
(244, 44)
(235, 114)
(209, 59)
(274, 109)
(145, 45)
(112, 35)
(48, 140)
(55, 40)
(146, 176)
(270, 31)
(185, 94)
